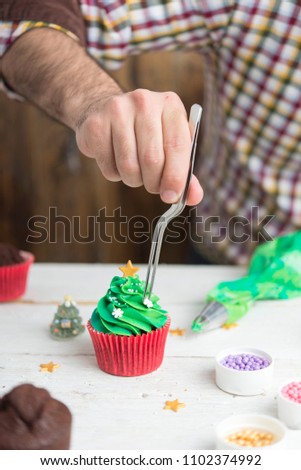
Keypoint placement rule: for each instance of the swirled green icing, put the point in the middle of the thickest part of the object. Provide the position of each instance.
(122, 311)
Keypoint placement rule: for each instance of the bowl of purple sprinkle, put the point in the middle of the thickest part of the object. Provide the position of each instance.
(244, 371)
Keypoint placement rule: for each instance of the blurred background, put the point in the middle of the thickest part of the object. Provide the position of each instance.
(51, 195)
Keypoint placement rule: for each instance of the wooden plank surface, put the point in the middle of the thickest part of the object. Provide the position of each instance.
(127, 413)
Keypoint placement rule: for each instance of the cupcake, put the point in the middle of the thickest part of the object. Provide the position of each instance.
(128, 334)
(14, 266)
(30, 419)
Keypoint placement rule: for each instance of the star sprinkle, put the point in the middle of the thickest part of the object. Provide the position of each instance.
(228, 326)
(128, 269)
(117, 313)
(49, 367)
(148, 303)
(174, 405)
(178, 332)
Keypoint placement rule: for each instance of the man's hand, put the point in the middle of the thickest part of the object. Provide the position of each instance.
(141, 137)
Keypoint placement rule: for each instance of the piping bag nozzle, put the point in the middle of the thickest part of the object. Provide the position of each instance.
(213, 315)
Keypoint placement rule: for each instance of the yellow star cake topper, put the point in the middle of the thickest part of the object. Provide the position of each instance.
(174, 405)
(68, 298)
(49, 367)
(128, 269)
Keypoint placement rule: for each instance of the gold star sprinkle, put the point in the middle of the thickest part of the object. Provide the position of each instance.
(174, 405)
(228, 326)
(177, 332)
(49, 367)
(128, 269)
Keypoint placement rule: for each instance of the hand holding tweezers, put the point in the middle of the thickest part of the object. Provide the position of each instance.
(175, 209)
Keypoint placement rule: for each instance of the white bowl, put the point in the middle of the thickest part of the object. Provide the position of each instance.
(289, 411)
(243, 382)
(259, 422)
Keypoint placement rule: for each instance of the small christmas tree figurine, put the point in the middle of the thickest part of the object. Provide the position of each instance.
(66, 323)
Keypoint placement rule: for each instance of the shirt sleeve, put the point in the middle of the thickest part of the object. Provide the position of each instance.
(66, 14)
(18, 17)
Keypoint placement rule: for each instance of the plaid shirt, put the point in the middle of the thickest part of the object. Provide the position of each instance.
(250, 156)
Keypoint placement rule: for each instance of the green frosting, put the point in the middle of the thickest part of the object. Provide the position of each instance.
(122, 311)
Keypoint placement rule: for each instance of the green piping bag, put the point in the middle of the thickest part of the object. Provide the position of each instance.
(274, 273)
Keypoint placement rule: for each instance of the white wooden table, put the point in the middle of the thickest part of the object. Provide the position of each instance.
(127, 413)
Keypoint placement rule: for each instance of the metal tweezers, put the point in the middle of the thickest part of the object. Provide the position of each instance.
(175, 209)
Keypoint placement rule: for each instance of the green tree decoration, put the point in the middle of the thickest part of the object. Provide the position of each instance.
(66, 322)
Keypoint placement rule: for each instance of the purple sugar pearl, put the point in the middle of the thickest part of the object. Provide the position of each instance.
(244, 362)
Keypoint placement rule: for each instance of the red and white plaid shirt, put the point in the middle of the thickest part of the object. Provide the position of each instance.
(250, 162)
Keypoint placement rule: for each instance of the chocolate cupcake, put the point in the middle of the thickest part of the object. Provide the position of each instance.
(30, 419)
(14, 266)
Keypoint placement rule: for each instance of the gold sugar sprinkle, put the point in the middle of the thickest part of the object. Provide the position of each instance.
(249, 437)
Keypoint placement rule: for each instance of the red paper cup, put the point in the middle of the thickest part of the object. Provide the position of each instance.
(128, 356)
(13, 278)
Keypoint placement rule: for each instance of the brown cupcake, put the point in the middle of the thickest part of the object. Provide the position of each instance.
(30, 419)
(14, 266)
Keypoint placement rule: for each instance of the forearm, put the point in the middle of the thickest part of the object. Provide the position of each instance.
(140, 137)
(55, 72)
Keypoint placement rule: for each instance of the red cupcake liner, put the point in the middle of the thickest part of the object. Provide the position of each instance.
(128, 356)
(13, 278)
